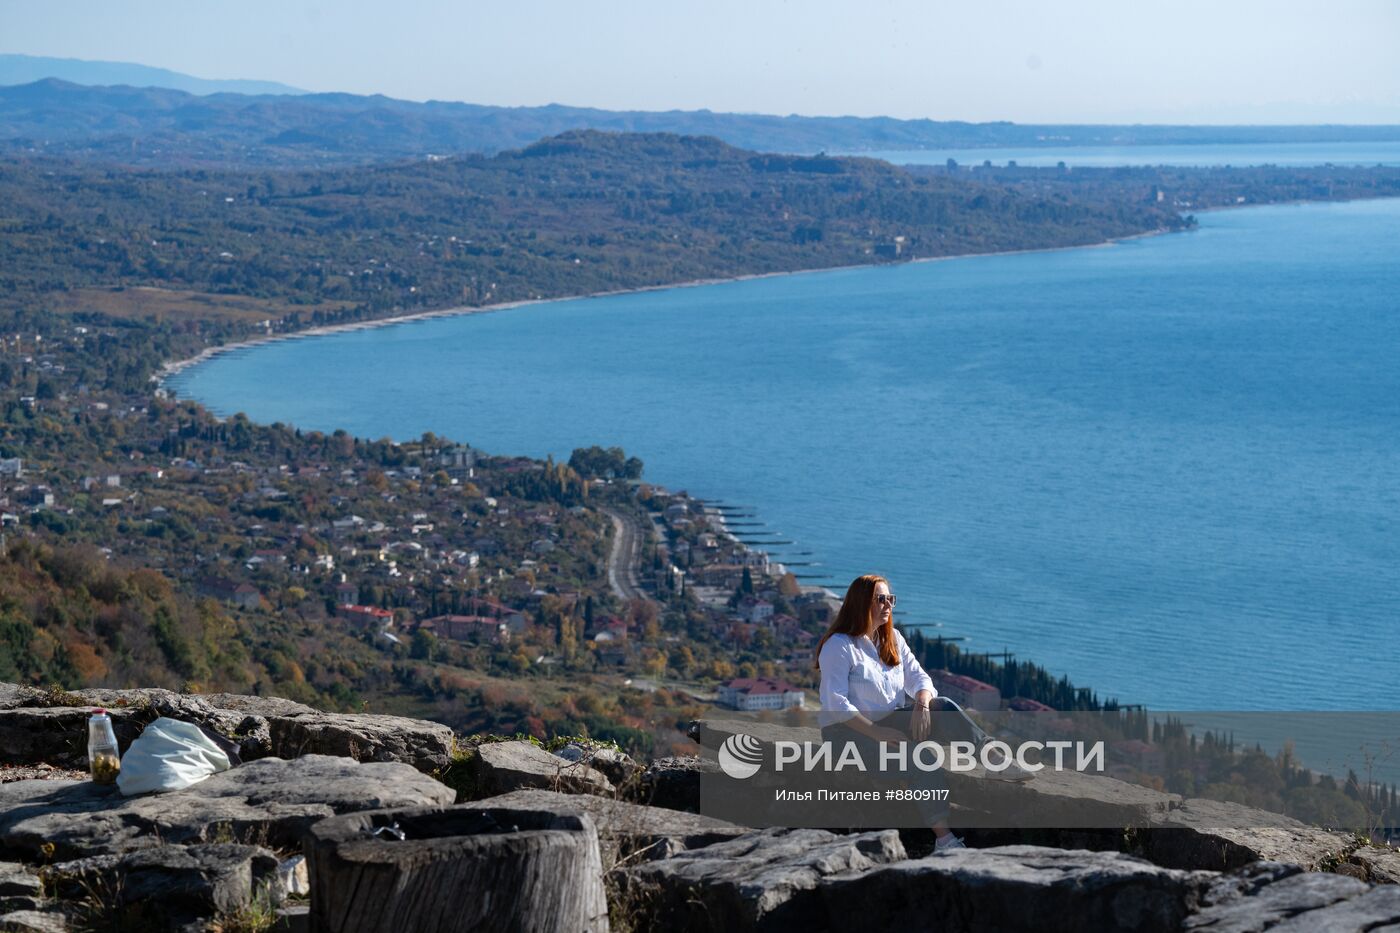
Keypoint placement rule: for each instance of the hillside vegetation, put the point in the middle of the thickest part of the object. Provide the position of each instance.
(579, 213)
(162, 126)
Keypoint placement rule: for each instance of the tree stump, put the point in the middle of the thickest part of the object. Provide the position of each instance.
(456, 869)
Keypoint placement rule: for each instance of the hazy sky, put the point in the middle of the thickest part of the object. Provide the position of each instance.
(1252, 61)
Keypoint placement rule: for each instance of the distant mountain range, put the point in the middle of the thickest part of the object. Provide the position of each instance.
(26, 69)
(216, 126)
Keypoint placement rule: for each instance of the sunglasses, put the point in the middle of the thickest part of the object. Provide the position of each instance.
(885, 600)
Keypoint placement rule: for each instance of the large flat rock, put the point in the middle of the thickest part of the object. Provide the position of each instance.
(33, 729)
(1222, 836)
(1382, 865)
(16, 695)
(267, 707)
(1056, 799)
(768, 880)
(1015, 888)
(1278, 897)
(168, 887)
(270, 801)
(502, 767)
(364, 737)
(626, 831)
(20, 889)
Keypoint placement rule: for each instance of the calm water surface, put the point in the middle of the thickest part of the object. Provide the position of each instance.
(1169, 468)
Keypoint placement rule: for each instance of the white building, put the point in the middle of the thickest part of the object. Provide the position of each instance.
(749, 693)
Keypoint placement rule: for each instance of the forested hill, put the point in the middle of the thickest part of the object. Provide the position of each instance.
(578, 213)
(162, 126)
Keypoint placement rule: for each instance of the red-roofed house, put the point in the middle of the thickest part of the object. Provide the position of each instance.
(468, 628)
(967, 692)
(760, 693)
(371, 618)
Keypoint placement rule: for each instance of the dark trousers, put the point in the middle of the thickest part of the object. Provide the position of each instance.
(948, 724)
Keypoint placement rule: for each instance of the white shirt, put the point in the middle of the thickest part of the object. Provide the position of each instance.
(854, 679)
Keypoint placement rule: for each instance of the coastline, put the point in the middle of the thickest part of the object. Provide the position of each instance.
(175, 367)
(642, 305)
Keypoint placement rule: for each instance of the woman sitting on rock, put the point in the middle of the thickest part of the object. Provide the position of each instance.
(867, 673)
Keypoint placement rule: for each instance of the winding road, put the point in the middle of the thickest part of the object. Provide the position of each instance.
(625, 556)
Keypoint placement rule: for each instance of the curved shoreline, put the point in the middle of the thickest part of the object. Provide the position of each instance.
(643, 306)
(176, 367)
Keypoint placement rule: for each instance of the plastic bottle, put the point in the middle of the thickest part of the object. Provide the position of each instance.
(104, 759)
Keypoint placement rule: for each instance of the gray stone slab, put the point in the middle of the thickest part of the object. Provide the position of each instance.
(1382, 865)
(502, 767)
(32, 732)
(169, 886)
(626, 831)
(1016, 888)
(1265, 894)
(269, 801)
(767, 880)
(18, 881)
(1376, 908)
(417, 742)
(34, 921)
(1222, 836)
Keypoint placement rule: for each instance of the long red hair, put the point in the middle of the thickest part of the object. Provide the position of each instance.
(856, 616)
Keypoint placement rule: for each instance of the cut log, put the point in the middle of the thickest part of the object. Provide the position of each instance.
(456, 869)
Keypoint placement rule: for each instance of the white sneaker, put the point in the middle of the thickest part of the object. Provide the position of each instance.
(1012, 772)
(944, 843)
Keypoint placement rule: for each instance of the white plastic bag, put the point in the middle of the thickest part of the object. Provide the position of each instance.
(169, 755)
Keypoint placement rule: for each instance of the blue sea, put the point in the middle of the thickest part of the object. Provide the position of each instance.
(1208, 154)
(1169, 467)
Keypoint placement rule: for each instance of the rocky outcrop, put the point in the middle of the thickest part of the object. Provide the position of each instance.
(769, 880)
(616, 766)
(1223, 836)
(1057, 798)
(1378, 865)
(1276, 896)
(271, 801)
(55, 735)
(1017, 888)
(202, 853)
(49, 920)
(501, 767)
(167, 887)
(38, 726)
(20, 889)
(813, 880)
(626, 831)
(424, 745)
(13, 696)
(674, 782)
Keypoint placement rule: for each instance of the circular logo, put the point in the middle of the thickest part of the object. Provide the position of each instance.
(740, 756)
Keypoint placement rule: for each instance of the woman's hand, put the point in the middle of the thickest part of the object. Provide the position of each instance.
(920, 723)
